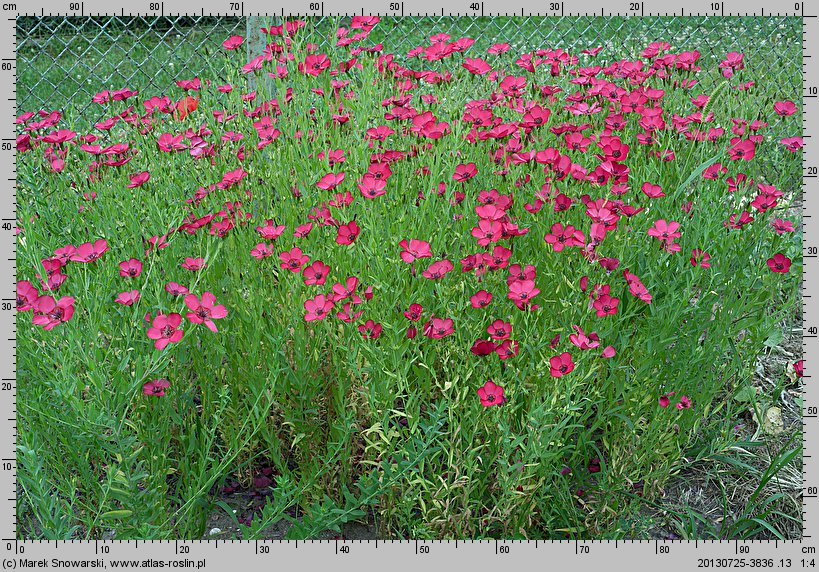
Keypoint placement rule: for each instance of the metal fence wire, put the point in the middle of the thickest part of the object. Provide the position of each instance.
(63, 61)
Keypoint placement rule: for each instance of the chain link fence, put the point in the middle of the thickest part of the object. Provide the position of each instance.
(63, 61)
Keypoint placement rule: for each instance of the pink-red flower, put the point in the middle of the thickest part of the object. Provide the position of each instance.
(438, 328)
(204, 311)
(370, 330)
(48, 312)
(464, 172)
(700, 258)
(175, 289)
(348, 233)
(156, 387)
(606, 305)
(330, 181)
(480, 299)
(522, 291)
(499, 330)
(414, 249)
(413, 313)
(27, 294)
(664, 400)
(127, 298)
(317, 308)
(491, 394)
(165, 330)
(233, 42)
(665, 231)
(130, 268)
(193, 264)
(779, 263)
(784, 108)
(507, 349)
(744, 149)
(437, 269)
(138, 180)
(293, 259)
(315, 273)
(89, 252)
(262, 250)
(561, 365)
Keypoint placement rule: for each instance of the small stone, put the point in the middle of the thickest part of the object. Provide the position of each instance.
(214, 531)
(772, 423)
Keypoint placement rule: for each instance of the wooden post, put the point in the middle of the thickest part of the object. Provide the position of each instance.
(256, 41)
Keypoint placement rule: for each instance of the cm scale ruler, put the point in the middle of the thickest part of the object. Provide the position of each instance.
(411, 554)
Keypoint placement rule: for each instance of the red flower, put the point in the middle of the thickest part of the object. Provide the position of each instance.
(233, 42)
(88, 252)
(582, 341)
(781, 226)
(413, 313)
(270, 231)
(414, 249)
(131, 267)
(480, 299)
(164, 330)
(316, 273)
(560, 237)
(303, 230)
(606, 305)
(27, 295)
(437, 328)
(487, 231)
(784, 108)
(779, 263)
(491, 394)
(344, 291)
(127, 298)
(204, 312)
(262, 250)
(793, 144)
(48, 313)
(372, 187)
(347, 233)
(184, 106)
(437, 269)
(684, 403)
(370, 330)
(330, 181)
(652, 191)
(193, 264)
(665, 231)
(293, 259)
(741, 149)
(347, 315)
(175, 289)
(664, 401)
(138, 180)
(317, 308)
(482, 347)
(700, 258)
(799, 368)
(561, 365)
(464, 172)
(499, 330)
(522, 291)
(156, 387)
(507, 349)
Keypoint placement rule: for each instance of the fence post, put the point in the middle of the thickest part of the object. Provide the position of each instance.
(256, 42)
